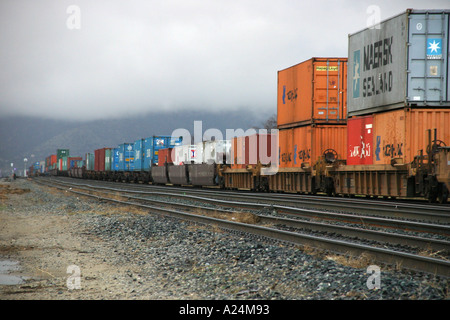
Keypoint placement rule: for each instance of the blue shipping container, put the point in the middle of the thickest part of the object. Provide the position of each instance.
(153, 144)
(115, 160)
(139, 155)
(126, 157)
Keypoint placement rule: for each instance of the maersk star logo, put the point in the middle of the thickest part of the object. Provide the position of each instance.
(434, 48)
(356, 73)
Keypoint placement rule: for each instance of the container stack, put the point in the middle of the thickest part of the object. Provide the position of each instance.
(312, 111)
(399, 87)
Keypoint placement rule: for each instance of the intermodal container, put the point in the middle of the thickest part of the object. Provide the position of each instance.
(42, 166)
(399, 135)
(62, 153)
(216, 151)
(152, 145)
(314, 91)
(303, 146)
(126, 157)
(100, 156)
(401, 62)
(165, 156)
(109, 153)
(139, 155)
(115, 160)
(73, 162)
(186, 154)
(90, 161)
(251, 149)
(360, 140)
(62, 163)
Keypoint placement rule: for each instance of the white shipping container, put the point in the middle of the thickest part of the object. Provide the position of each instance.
(186, 154)
(217, 151)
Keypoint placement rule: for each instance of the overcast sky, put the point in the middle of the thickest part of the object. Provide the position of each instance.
(100, 59)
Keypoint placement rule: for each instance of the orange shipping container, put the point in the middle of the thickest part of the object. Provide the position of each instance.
(304, 145)
(400, 134)
(314, 91)
(248, 150)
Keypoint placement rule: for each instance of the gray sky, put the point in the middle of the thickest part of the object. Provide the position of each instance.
(134, 56)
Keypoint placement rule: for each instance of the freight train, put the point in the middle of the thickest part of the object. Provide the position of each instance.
(380, 128)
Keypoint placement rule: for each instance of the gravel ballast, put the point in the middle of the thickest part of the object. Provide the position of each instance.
(128, 253)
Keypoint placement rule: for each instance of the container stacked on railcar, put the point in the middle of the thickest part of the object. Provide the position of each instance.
(386, 135)
(311, 118)
(399, 108)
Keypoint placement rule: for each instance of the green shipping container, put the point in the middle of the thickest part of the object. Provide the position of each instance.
(64, 163)
(108, 155)
(60, 153)
(90, 161)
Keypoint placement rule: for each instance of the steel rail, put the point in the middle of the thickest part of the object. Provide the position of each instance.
(391, 257)
(431, 213)
(310, 213)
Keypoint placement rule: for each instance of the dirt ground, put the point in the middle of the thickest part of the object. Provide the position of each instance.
(49, 251)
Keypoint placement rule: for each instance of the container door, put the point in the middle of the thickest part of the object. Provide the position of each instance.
(329, 90)
(427, 60)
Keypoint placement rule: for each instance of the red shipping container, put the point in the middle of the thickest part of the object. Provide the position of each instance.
(52, 159)
(165, 155)
(99, 163)
(360, 140)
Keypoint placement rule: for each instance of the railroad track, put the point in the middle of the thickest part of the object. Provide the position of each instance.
(385, 247)
(401, 210)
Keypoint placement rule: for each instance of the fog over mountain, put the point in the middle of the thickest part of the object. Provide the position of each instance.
(36, 138)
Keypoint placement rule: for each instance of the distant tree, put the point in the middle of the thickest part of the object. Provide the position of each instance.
(271, 123)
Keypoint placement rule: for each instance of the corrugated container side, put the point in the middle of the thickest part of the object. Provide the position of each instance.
(403, 133)
(304, 145)
(186, 154)
(360, 140)
(139, 155)
(314, 91)
(72, 162)
(249, 150)
(153, 144)
(216, 151)
(115, 159)
(90, 161)
(402, 63)
(108, 158)
(99, 160)
(165, 156)
(126, 157)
